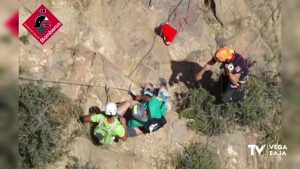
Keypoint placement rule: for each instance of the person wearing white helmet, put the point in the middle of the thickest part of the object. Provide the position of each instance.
(108, 126)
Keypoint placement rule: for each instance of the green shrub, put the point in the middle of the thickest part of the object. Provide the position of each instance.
(263, 98)
(204, 113)
(197, 156)
(44, 113)
(24, 39)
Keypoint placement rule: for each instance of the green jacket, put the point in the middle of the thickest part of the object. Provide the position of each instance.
(156, 108)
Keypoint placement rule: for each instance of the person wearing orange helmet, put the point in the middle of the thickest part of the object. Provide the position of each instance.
(234, 75)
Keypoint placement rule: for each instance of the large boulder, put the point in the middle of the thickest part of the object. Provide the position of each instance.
(228, 11)
(251, 45)
(233, 148)
(268, 14)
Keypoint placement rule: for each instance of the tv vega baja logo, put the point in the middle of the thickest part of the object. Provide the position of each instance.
(273, 150)
(42, 24)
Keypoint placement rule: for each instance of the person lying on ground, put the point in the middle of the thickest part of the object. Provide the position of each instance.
(234, 75)
(146, 116)
(161, 93)
(109, 127)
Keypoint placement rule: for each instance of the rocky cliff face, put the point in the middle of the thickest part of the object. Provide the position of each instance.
(112, 43)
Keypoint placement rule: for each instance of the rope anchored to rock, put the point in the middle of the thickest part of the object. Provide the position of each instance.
(168, 31)
(106, 87)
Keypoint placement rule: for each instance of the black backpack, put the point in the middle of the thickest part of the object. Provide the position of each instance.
(152, 124)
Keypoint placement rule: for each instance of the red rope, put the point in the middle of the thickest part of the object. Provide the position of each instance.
(182, 21)
(173, 11)
(175, 14)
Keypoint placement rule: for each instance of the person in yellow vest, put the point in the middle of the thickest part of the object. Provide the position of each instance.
(108, 126)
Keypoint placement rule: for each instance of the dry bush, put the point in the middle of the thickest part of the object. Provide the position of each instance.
(44, 113)
(262, 103)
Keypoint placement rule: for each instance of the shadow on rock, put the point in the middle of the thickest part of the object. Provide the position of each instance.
(214, 87)
(185, 72)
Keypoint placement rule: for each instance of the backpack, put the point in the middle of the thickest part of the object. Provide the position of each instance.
(103, 133)
(152, 124)
(168, 33)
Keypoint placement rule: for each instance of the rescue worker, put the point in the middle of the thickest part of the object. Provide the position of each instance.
(109, 127)
(234, 75)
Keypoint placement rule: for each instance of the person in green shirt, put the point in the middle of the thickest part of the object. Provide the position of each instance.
(155, 107)
(149, 104)
(109, 127)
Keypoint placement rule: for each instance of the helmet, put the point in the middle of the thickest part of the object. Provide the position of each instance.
(148, 92)
(111, 109)
(138, 111)
(223, 54)
(148, 86)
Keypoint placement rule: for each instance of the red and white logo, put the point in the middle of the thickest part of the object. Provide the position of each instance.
(42, 24)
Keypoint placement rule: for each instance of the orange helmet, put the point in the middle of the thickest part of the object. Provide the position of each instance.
(223, 54)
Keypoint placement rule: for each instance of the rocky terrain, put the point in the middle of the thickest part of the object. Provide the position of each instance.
(112, 43)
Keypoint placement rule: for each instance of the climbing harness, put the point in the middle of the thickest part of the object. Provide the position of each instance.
(168, 32)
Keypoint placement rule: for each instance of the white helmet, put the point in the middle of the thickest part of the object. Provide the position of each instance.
(111, 109)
